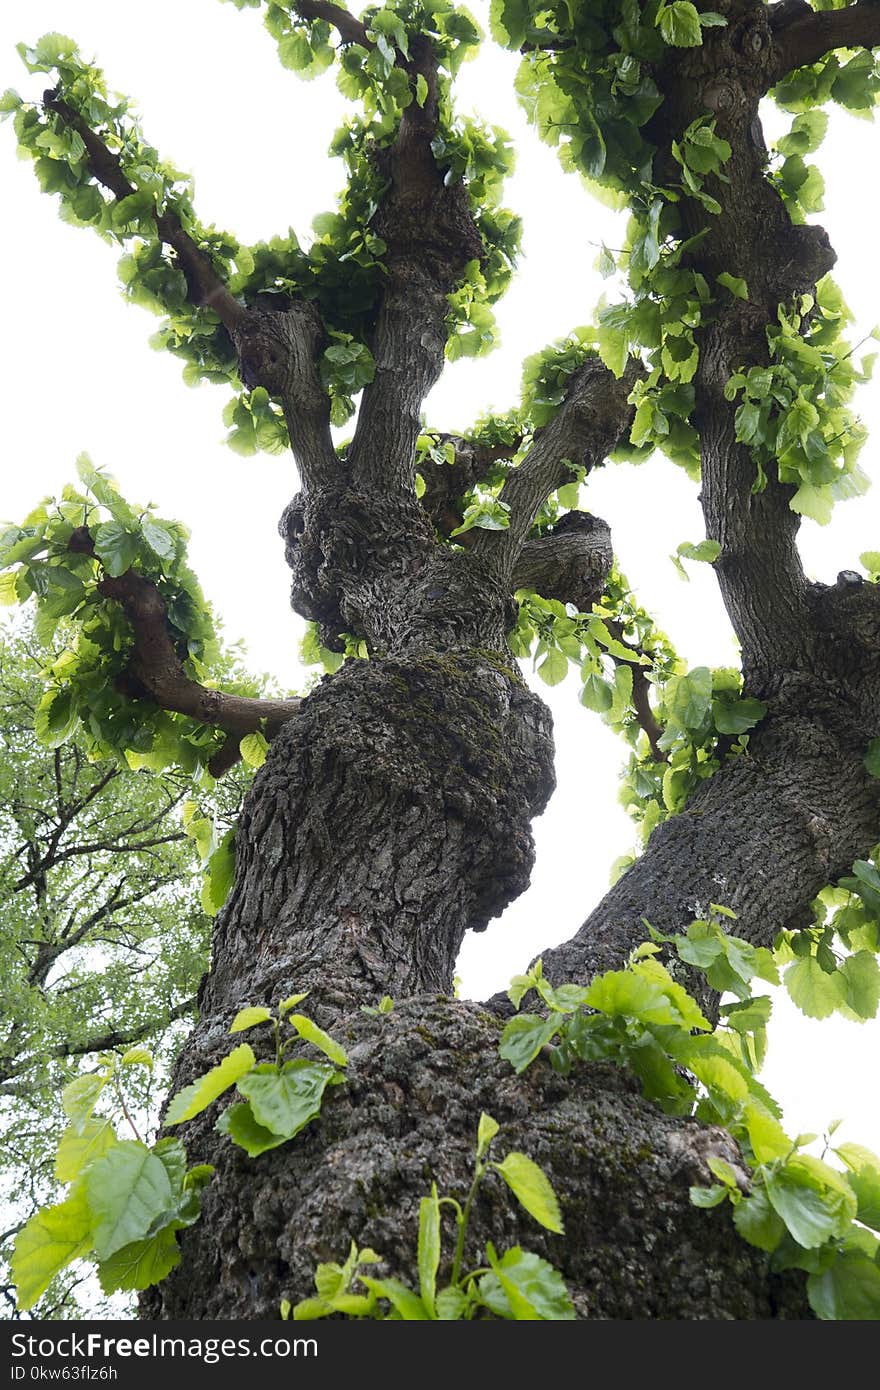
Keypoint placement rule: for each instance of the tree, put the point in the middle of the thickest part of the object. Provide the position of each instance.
(103, 939)
(393, 810)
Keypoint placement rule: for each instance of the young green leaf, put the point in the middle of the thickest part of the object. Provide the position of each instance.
(238, 1122)
(80, 1145)
(253, 748)
(198, 1096)
(286, 1101)
(486, 1131)
(51, 1240)
(532, 1189)
(429, 1247)
(127, 1189)
(249, 1018)
(310, 1032)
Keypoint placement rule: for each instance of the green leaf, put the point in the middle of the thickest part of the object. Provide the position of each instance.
(193, 1099)
(137, 1057)
(526, 1288)
(253, 748)
(249, 1018)
(524, 1036)
(48, 1243)
(707, 1197)
(737, 287)
(859, 979)
(429, 1247)
(646, 992)
(554, 667)
(736, 716)
(451, 1304)
(679, 23)
(863, 1172)
(870, 560)
(596, 694)
(310, 1032)
(116, 548)
(140, 1264)
(707, 551)
(237, 1121)
(291, 1001)
(127, 1189)
(286, 1101)
(757, 1222)
(691, 697)
(80, 1145)
(532, 1189)
(806, 1215)
(848, 1291)
(486, 1132)
(421, 90)
(815, 502)
(80, 1096)
(219, 874)
(816, 993)
(403, 1300)
(160, 540)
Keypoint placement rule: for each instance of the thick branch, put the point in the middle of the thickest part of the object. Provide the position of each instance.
(280, 351)
(349, 29)
(203, 282)
(430, 235)
(589, 423)
(158, 670)
(571, 563)
(808, 36)
(759, 570)
(762, 837)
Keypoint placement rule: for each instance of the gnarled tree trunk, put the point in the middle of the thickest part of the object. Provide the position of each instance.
(393, 813)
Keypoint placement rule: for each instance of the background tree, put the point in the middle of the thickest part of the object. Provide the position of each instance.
(393, 812)
(103, 939)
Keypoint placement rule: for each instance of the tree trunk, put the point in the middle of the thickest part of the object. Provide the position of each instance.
(392, 815)
(393, 812)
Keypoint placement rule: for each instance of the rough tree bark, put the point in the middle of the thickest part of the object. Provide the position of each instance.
(393, 813)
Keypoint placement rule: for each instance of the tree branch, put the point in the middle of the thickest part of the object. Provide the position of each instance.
(809, 35)
(641, 695)
(349, 28)
(204, 284)
(431, 236)
(158, 671)
(279, 350)
(589, 423)
(571, 563)
(120, 1037)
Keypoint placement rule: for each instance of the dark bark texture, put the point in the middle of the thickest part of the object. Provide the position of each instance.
(393, 813)
(634, 1247)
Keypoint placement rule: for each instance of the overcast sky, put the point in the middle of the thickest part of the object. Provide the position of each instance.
(79, 375)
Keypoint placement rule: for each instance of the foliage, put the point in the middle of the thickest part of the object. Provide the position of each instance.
(587, 79)
(125, 1199)
(60, 556)
(806, 1214)
(101, 938)
(516, 1286)
(279, 1098)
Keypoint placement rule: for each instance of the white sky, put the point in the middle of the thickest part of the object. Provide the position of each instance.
(79, 375)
